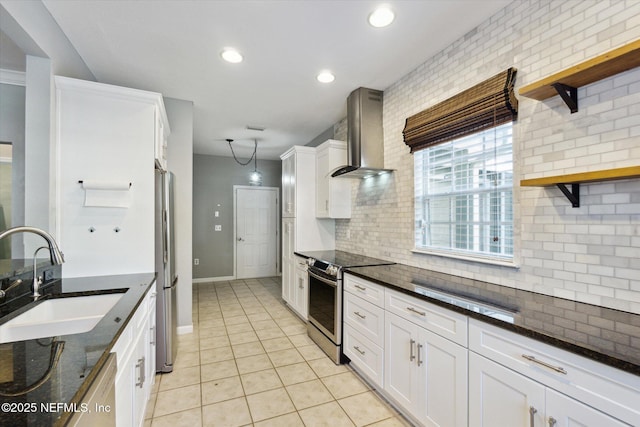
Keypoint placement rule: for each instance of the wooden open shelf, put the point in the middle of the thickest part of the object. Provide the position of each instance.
(575, 179)
(565, 83)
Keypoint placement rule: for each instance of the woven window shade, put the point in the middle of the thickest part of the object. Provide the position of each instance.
(485, 105)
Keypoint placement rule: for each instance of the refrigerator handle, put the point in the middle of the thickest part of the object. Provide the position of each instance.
(165, 237)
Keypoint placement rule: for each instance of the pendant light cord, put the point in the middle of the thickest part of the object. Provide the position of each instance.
(255, 149)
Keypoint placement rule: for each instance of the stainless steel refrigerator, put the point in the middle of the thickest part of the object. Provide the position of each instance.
(167, 280)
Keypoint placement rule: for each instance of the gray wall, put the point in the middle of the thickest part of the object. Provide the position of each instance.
(180, 162)
(213, 181)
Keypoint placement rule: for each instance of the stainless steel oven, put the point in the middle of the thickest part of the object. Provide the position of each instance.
(325, 296)
(325, 311)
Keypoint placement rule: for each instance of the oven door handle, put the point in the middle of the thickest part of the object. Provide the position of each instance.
(322, 279)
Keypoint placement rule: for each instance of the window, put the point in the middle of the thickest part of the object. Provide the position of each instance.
(464, 196)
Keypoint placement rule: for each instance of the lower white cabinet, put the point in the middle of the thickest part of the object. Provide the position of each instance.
(295, 287)
(500, 397)
(503, 357)
(135, 351)
(442, 368)
(301, 288)
(425, 373)
(288, 259)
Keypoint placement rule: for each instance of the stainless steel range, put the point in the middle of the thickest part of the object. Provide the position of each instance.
(325, 296)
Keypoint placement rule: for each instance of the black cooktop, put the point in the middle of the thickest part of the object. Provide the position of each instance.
(343, 259)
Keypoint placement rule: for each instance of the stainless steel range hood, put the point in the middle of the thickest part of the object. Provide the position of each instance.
(365, 150)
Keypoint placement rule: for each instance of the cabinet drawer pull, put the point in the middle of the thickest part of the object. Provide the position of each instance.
(412, 356)
(421, 313)
(362, 316)
(419, 359)
(362, 288)
(545, 364)
(358, 350)
(532, 412)
(552, 422)
(141, 365)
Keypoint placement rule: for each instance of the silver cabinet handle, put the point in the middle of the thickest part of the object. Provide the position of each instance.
(419, 358)
(326, 205)
(552, 422)
(358, 350)
(412, 356)
(532, 412)
(362, 288)
(153, 335)
(301, 283)
(421, 313)
(141, 378)
(362, 316)
(545, 364)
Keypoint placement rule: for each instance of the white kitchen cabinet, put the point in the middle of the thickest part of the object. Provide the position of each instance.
(135, 350)
(288, 259)
(107, 136)
(500, 397)
(301, 230)
(333, 195)
(504, 367)
(363, 332)
(301, 288)
(289, 186)
(425, 373)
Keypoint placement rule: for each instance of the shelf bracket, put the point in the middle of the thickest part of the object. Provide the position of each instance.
(573, 195)
(568, 94)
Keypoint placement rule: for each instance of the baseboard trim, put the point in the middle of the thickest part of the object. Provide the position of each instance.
(213, 279)
(183, 330)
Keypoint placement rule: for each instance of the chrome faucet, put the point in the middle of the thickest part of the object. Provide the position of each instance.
(55, 254)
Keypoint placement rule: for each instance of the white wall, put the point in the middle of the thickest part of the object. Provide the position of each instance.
(588, 254)
(180, 162)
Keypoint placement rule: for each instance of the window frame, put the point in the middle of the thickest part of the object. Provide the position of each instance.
(482, 199)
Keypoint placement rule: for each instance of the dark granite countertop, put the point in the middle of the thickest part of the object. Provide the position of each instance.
(16, 267)
(609, 336)
(23, 363)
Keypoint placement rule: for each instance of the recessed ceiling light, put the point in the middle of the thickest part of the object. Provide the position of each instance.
(231, 55)
(381, 17)
(326, 77)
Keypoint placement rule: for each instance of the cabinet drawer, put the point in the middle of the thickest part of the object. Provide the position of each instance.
(366, 290)
(365, 356)
(364, 317)
(610, 390)
(441, 321)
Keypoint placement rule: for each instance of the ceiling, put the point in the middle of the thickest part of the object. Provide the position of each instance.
(173, 47)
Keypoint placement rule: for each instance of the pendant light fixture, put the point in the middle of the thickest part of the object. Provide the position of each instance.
(255, 177)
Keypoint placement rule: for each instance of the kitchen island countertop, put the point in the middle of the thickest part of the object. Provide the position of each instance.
(22, 363)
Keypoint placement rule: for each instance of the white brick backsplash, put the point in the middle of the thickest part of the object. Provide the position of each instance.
(589, 254)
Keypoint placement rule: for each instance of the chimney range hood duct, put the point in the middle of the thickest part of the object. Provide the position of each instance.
(365, 150)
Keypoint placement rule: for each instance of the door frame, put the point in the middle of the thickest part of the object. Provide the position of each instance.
(275, 190)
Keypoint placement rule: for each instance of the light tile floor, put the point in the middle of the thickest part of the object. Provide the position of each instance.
(249, 362)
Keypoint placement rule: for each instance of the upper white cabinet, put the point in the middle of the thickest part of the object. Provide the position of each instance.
(289, 184)
(333, 195)
(107, 139)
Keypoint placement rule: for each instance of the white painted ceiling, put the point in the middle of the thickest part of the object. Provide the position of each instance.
(173, 47)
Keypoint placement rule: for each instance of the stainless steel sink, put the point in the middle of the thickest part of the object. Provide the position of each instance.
(59, 316)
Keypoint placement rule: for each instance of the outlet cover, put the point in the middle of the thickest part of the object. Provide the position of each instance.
(218, 228)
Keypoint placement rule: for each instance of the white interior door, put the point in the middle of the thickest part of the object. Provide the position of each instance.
(256, 232)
